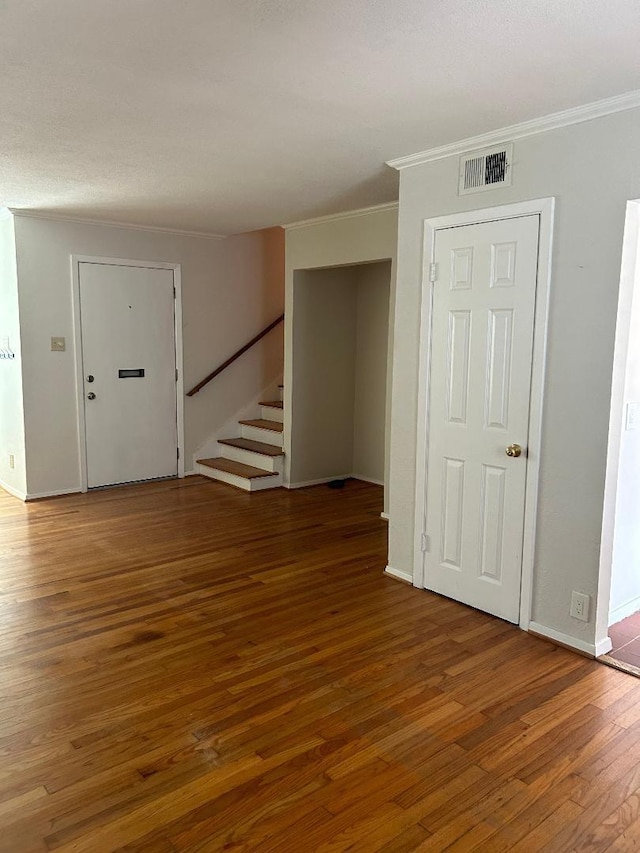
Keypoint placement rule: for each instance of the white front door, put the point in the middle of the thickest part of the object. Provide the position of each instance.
(129, 366)
(481, 357)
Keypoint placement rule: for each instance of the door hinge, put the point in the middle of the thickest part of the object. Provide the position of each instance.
(425, 542)
(177, 452)
(433, 272)
(176, 374)
(174, 291)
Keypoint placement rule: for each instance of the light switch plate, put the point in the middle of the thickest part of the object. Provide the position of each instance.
(58, 344)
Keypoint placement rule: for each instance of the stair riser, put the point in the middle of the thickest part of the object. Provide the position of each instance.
(271, 414)
(248, 457)
(265, 435)
(257, 485)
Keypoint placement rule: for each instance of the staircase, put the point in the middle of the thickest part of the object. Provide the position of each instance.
(254, 460)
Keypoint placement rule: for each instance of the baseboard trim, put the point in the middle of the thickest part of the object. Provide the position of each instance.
(384, 515)
(620, 613)
(563, 639)
(399, 575)
(322, 480)
(57, 493)
(603, 647)
(318, 482)
(16, 493)
(367, 479)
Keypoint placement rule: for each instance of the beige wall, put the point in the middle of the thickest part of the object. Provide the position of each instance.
(340, 372)
(592, 170)
(351, 239)
(372, 283)
(11, 407)
(230, 290)
(324, 362)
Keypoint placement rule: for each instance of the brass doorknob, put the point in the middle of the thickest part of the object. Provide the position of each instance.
(513, 450)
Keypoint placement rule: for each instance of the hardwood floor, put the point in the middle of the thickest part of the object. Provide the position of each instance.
(185, 667)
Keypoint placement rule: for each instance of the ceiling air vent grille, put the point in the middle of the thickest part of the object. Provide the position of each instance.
(485, 170)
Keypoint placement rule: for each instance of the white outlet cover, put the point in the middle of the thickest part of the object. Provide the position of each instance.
(580, 606)
(58, 344)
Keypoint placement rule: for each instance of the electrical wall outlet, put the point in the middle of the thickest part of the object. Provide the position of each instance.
(58, 344)
(580, 606)
(12, 461)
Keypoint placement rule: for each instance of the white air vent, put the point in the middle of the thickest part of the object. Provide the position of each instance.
(486, 169)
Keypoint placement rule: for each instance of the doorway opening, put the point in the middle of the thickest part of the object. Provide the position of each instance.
(339, 406)
(618, 616)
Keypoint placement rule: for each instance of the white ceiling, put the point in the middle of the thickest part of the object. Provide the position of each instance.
(228, 115)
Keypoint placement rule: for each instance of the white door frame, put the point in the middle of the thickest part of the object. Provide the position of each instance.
(630, 254)
(544, 208)
(76, 260)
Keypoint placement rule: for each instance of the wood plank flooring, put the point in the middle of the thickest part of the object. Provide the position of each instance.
(187, 667)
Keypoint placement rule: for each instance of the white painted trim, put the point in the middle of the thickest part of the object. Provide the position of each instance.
(384, 515)
(603, 647)
(318, 482)
(624, 610)
(56, 493)
(553, 121)
(273, 464)
(364, 479)
(108, 223)
(566, 639)
(339, 477)
(399, 574)
(180, 393)
(268, 436)
(336, 217)
(544, 208)
(76, 260)
(258, 484)
(16, 493)
(630, 248)
(229, 429)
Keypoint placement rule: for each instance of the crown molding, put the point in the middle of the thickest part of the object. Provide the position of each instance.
(347, 214)
(575, 115)
(129, 226)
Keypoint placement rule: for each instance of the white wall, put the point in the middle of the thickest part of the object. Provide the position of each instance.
(231, 289)
(625, 568)
(349, 239)
(373, 285)
(592, 169)
(11, 409)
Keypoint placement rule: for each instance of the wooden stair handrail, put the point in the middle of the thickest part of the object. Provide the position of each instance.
(235, 356)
